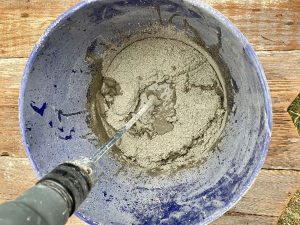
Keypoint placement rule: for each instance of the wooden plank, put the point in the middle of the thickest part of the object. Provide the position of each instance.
(16, 175)
(259, 203)
(75, 221)
(268, 24)
(269, 194)
(283, 78)
(23, 21)
(283, 74)
(245, 220)
(11, 71)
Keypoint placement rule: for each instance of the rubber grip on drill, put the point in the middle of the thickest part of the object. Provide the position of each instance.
(75, 181)
(38, 205)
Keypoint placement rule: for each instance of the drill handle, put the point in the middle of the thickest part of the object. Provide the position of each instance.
(38, 205)
(52, 200)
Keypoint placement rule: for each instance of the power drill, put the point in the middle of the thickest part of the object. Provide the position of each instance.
(59, 194)
(54, 198)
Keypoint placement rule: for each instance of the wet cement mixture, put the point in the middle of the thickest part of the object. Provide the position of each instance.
(182, 129)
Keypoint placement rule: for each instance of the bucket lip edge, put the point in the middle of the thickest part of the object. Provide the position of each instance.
(218, 16)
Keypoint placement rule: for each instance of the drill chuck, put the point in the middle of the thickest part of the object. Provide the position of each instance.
(70, 180)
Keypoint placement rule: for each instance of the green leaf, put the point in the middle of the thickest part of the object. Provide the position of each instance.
(294, 111)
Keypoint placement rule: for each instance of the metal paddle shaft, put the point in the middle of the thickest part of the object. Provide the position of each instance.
(120, 133)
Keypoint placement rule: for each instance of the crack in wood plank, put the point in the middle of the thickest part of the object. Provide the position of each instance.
(233, 213)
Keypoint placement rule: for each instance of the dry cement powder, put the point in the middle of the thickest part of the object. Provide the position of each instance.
(182, 129)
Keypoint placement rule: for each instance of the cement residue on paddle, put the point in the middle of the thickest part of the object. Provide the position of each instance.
(183, 128)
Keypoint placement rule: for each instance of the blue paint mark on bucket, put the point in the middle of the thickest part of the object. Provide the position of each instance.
(61, 129)
(38, 110)
(169, 207)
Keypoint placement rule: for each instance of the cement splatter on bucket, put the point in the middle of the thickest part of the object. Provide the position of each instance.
(60, 121)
